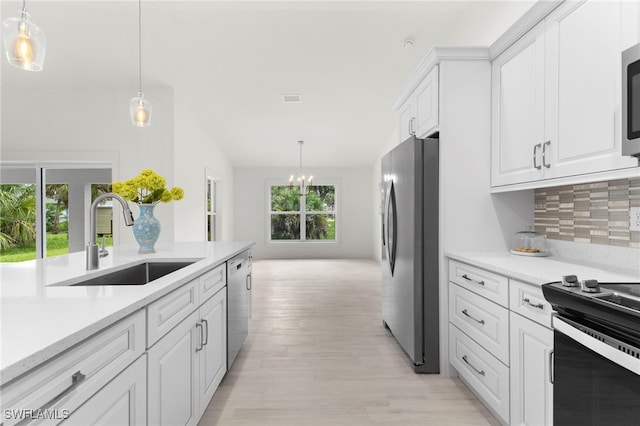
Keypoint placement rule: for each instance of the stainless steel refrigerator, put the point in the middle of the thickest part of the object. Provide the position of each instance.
(409, 213)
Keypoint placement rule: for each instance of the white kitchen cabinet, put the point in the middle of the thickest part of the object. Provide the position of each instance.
(531, 385)
(517, 78)
(556, 96)
(484, 321)
(492, 343)
(122, 402)
(173, 366)
(213, 357)
(68, 381)
(419, 113)
(406, 119)
(487, 376)
(583, 80)
(187, 364)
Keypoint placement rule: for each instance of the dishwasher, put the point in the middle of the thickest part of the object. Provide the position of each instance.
(238, 303)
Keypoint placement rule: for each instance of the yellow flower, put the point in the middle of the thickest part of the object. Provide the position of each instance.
(166, 196)
(147, 188)
(177, 193)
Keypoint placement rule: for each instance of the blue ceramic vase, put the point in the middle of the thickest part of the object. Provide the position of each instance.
(146, 229)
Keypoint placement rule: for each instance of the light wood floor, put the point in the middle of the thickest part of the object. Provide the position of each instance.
(318, 354)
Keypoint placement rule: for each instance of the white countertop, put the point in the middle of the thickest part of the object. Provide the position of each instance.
(536, 270)
(40, 318)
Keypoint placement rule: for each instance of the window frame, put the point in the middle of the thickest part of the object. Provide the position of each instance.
(302, 212)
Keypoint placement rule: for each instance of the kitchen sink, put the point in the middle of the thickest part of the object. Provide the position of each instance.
(140, 274)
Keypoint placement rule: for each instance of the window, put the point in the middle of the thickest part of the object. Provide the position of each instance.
(295, 217)
(45, 208)
(212, 210)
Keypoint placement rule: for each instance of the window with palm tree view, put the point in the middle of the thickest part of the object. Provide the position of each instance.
(46, 217)
(299, 217)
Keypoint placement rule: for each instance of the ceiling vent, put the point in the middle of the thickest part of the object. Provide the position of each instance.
(292, 98)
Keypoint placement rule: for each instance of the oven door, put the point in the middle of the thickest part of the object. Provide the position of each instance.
(631, 101)
(596, 376)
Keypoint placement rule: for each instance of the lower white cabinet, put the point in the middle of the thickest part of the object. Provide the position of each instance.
(187, 364)
(531, 385)
(121, 402)
(62, 386)
(213, 357)
(503, 352)
(488, 377)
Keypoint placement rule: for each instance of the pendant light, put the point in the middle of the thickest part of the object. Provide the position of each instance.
(24, 42)
(304, 184)
(139, 107)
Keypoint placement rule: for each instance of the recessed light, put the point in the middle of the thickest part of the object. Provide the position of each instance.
(294, 98)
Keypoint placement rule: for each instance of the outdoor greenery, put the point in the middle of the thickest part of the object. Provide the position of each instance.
(18, 220)
(57, 244)
(17, 215)
(318, 212)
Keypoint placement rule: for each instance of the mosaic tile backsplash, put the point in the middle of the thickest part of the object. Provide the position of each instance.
(596, 213)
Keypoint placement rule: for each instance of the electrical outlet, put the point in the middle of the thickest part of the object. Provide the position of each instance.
(634, 219)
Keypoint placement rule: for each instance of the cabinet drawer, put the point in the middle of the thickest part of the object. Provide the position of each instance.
(484, 321)
(212, 282)
(166, 313)
(487, 376)
(70, 379)
(487, 284)
(122, 402)
(528, 301)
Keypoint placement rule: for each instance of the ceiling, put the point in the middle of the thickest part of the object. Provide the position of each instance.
(230, 62)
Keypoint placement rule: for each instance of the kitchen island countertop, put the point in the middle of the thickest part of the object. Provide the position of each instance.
(40, 316)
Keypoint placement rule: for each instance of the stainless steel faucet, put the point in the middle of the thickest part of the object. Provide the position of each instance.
(92, 247)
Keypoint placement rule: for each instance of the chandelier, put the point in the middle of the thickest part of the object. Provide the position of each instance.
(303, 183)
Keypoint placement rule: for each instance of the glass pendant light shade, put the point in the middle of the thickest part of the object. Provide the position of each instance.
(140, 110)
(24, 42)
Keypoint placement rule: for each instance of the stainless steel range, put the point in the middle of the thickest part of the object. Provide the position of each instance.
(596, 358)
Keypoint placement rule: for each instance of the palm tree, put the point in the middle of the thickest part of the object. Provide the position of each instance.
(17, 215)
(59, 193)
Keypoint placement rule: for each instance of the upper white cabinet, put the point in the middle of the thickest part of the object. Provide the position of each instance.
(419, 113)
(517, 78)
(556, 96)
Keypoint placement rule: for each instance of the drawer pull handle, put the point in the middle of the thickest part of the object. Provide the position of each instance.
(552, 372)
(76, 379)
(464, 311)
(466, 277)
(206, 333)
(480, 372)
(199, 325)
(527, 301)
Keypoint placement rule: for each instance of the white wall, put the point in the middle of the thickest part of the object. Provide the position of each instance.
(196, 155)
(94, 126)
(353, 225)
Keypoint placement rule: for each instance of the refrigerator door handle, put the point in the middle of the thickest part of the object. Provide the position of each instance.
(391, 227)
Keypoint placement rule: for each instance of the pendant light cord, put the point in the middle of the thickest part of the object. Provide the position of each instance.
(139, 45)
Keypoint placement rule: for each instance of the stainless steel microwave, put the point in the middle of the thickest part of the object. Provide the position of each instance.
(631, 101)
